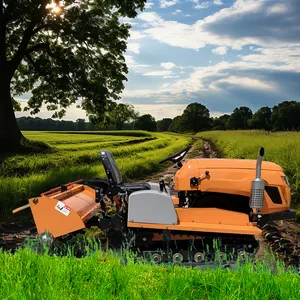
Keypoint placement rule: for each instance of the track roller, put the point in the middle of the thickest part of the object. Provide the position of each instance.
(177, 258)
(156, 257)
(199, 257)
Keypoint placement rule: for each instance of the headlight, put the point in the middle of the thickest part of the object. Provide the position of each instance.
(286, 180)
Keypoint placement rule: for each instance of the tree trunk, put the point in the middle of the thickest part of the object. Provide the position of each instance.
(10, 134)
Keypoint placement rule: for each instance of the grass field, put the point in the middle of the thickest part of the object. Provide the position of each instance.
(99, 276)
(282, 148)
(76, 156)
(25, 275)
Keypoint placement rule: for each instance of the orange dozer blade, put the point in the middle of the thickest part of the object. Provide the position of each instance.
(213, 220)
(61, 213)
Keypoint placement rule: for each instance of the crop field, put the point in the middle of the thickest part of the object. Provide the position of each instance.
(76, 156)
(282, 148)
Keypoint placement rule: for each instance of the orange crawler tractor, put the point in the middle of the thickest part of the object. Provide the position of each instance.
(227, 200)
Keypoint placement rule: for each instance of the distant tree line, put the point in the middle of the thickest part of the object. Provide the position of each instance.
(196, 117)
(281, 117)
(29, 123)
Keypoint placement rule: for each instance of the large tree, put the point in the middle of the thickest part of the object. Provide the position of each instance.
(164, 124)
(285, 116)
(61, 51)
(261, 119)
(145, 122)
(239, 118)
(118, 114)
(219, 123)
(176, 125)
(196, 117)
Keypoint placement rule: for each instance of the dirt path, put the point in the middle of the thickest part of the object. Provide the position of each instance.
(15, 229)
(282, 237)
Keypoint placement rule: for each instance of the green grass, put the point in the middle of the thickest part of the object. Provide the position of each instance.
(282, 148)
(26, 275)
(77, 157)
(197, 147)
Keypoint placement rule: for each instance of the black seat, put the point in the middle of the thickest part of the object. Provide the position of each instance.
(114, 175)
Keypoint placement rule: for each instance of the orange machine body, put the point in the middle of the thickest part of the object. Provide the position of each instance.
(234, 176)
(206, 220)
(62, 212)
(226, 176)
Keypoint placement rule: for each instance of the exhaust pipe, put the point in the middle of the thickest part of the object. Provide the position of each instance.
(258, 185)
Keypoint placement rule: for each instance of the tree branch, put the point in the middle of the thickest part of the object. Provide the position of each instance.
(21, 52)
(38, 47)
(45, 26)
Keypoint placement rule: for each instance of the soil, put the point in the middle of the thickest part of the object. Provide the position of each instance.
(283, 237)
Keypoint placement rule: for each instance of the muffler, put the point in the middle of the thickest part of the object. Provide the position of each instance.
(258, 185)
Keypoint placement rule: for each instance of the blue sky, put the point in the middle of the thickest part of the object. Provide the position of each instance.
(221, 53)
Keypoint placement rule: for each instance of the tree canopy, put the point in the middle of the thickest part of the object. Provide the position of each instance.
(163, 125)
(286, 116)
(239, 118)
(62, 52)
(220, 123)
(261, 119)
(195, 117)
(145, 122)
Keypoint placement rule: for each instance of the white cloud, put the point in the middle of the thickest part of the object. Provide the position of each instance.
(150, 17)
(219, 77)
(133, 65)
(219, 28)
(218, 2)
(288, 57)
(170, 76)
(136, 35)
(202, 5)
(246, 82)
(160, 111)
(129, 60)
(157, 73)
(278, 9)
(176, 12)
(216, 114)
(149, 5)
(220, 50)
(168, 65)
(166, 3)
(134, 47)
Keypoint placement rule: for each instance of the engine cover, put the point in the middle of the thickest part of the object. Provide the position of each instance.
(151, 207)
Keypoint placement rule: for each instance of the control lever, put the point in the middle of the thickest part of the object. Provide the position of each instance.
(162, 186)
